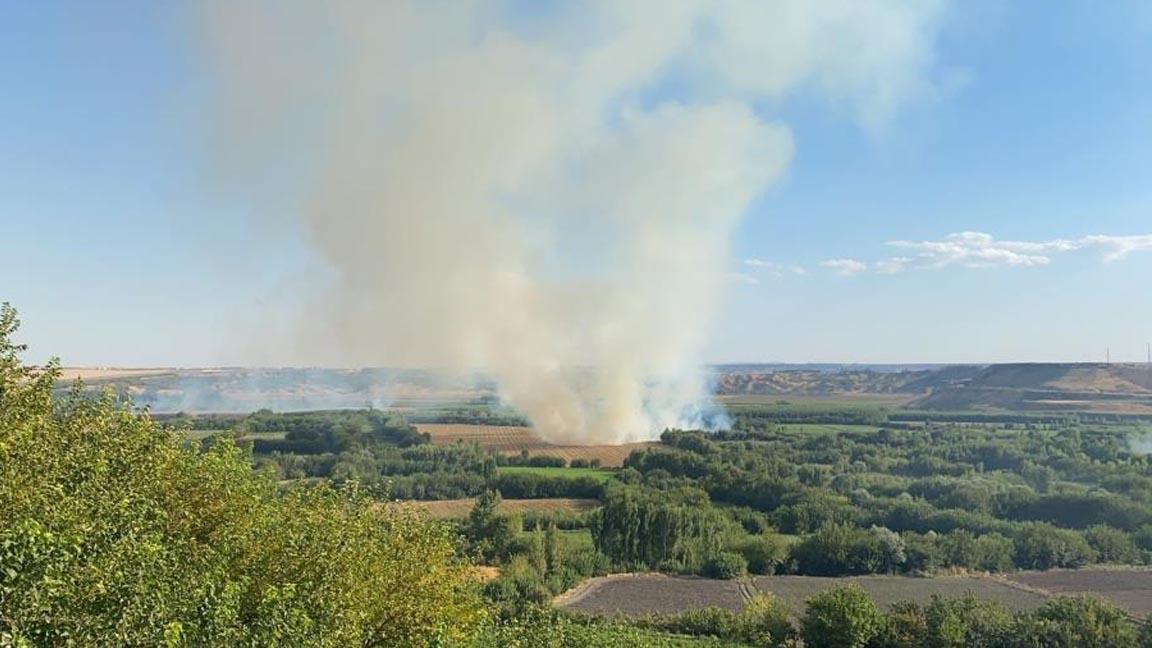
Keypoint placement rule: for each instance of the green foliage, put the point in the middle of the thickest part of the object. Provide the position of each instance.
(1076, 622)
(842, 549)
(1112, 545)
(763, 553)
(764, 621)
(841, 617)
(642, 526)
(539, 627)
(1043, 546)
(965, 623)
(726, 565)
(117, 533)
(489, 533)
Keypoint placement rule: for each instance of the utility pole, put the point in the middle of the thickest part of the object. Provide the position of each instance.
(1108, 355)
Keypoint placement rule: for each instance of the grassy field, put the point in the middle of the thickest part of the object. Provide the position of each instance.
(571, 473)
(640, 594)
(576, 539)
(459, 508)
(512, 440)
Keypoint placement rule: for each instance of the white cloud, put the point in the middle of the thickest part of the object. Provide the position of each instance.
(845, 267)
(776, 269)
(981, 250)
(1119, 247)
(740, 277)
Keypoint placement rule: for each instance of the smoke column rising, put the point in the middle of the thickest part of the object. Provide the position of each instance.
(547, 194)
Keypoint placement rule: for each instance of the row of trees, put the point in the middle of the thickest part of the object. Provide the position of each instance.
(846, 617)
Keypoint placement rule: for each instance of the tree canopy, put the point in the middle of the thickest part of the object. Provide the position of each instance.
(117, 532)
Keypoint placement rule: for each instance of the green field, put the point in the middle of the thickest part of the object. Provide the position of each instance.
(571, 473)
(575, 540)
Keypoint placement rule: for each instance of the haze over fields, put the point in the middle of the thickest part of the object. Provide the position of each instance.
(1111, 388)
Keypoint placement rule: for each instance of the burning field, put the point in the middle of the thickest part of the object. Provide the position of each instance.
(513, 440)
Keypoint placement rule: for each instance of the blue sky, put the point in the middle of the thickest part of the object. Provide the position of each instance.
(121, 249)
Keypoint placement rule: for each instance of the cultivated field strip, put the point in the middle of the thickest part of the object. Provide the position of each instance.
(640, 594)
(1130, 588)
(513, 440)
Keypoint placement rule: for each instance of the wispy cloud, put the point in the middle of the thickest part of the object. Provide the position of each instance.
(980, 250)
(740, 277)
(845, 267)
(775, 269)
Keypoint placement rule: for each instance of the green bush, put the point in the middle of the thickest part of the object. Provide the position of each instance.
(726, 565)
(841, 617)
(763, 553)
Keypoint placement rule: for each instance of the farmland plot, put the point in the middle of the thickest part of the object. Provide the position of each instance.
(512, 440)
(640, 594)
(1131, 589)
(459, 508)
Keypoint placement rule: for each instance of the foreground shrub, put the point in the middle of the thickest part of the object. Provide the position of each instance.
(116, 533)
(841, 617)
(764, 621)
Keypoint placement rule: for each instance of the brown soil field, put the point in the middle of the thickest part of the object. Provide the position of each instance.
(640, 594)
(459, 508)
(1130, 588)
(511, 440)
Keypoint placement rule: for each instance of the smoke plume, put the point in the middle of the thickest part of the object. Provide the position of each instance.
(546, 190)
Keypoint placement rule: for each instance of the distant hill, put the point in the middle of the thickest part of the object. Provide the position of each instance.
(1120, 388)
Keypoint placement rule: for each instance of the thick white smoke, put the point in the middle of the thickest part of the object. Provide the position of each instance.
(545, 191)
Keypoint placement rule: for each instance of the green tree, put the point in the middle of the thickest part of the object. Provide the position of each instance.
(841, 617)
(115, 532)
(553, 552)
(488, 532)
(1113, 545)
(1076, 622)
